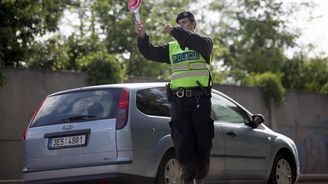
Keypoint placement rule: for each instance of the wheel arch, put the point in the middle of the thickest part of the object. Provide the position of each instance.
(163, 146)
(288, 153)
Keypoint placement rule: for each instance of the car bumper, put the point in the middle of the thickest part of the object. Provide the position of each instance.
(124, 168)
(120, 171)
(78, 173)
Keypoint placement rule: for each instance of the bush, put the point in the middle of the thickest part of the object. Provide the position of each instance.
(324, 89)
(270, 85)
(102, 68)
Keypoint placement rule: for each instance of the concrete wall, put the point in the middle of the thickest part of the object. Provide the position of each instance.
(303, 117)
(19, 97)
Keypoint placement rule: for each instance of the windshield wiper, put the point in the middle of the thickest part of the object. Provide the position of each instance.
(80, 117)
(69, 119)
(72, 119)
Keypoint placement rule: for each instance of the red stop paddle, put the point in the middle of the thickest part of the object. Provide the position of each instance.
(134, 6)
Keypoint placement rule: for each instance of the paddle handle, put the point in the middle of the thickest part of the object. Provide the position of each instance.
(137, 15)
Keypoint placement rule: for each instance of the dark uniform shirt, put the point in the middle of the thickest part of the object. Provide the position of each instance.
(193, 41)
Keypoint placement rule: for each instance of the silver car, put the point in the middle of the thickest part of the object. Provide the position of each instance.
(120, 134)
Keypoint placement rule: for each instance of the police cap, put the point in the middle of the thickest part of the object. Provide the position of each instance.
(185, 14)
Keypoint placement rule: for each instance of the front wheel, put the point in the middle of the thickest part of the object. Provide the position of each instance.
(169, 170)
(283, 171)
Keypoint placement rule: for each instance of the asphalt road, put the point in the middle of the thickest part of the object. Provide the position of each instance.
(313, 179)
(304, 179)
(300, 182)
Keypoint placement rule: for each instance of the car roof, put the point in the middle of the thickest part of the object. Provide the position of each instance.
(121, 85)
(134, 86)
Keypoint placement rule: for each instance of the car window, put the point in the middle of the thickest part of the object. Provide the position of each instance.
(77, 106)
(227, 111)
(153, 101)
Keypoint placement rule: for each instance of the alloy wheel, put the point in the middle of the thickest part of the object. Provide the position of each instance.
(173, 172)
(283, 172)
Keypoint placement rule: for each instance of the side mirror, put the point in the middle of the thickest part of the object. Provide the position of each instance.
(257, 119)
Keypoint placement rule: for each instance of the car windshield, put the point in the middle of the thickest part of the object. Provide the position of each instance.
(77, 106)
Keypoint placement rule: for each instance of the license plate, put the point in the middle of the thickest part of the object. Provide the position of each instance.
(67, 142)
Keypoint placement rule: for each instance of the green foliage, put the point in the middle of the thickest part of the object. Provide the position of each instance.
(316, 72)
(250, 38)
(306, 74)
(293, 78)
(255, 36)
(270, 85)
(21, 21)
(324, 89)
(50, 54)
(80, 47)
(218, 76)
(58, 53)
(118, 24)
(102, 68)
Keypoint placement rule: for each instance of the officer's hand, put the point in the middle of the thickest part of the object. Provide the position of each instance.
(167, 28)
(140, 29)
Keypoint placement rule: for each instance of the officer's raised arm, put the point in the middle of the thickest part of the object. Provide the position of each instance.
(185, 35)
(147, 49)
(193, 41)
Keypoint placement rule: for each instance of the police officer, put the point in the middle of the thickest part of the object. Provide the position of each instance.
(189, 92)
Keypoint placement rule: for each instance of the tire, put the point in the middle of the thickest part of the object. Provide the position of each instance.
(169, 170)
(283, 170)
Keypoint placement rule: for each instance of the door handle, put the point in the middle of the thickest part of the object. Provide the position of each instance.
(232, 133)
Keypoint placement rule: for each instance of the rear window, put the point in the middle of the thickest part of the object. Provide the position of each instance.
(78, 106)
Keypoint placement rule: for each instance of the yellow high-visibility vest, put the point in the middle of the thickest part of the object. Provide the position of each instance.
(188, 67)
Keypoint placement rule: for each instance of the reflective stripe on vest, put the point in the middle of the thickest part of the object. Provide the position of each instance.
(188, 67)
(189, 74)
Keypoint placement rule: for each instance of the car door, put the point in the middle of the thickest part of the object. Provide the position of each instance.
(245, 148)
(154, 117)
(216, 171)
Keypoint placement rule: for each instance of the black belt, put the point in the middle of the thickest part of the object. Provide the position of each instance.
(182, 92)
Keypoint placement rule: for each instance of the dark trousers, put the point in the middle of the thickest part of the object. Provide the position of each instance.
(192, 131)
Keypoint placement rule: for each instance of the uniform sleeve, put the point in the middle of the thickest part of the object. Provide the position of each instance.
(193, 41)
(151, 52)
